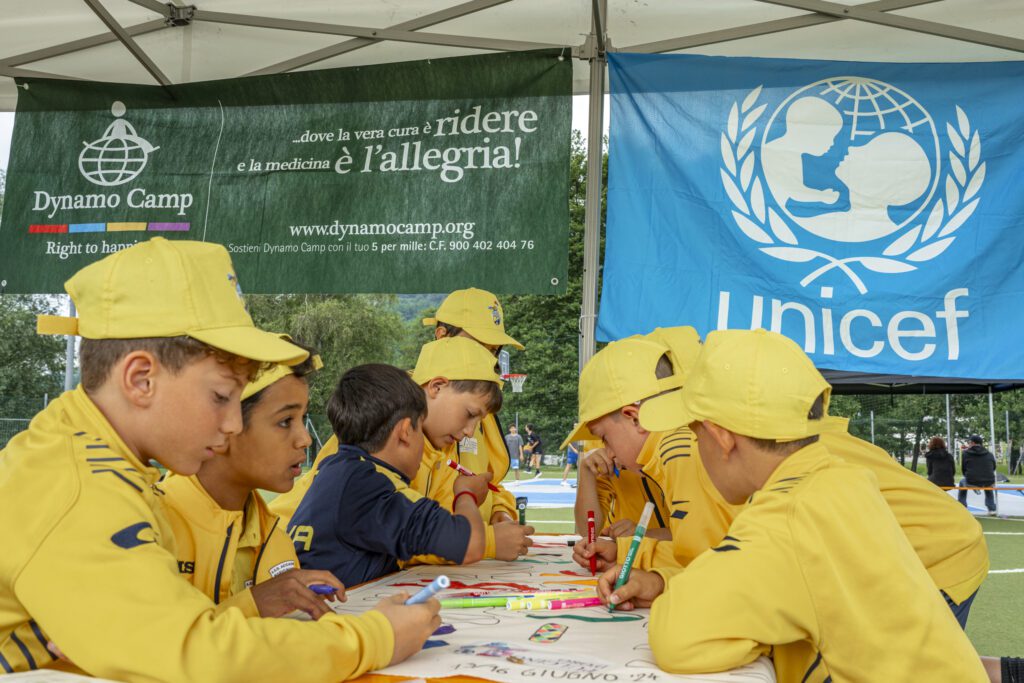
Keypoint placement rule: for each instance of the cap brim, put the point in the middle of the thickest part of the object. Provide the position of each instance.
(581, 433)
(492, 336)
(664, 413)
(427, 322)
(250, 342)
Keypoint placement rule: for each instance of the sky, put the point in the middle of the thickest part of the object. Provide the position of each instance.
(579, 122)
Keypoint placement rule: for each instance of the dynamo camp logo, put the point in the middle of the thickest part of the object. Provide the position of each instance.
(119, 156)
(853, 161)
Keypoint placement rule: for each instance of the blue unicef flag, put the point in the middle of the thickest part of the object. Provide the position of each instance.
(874, 213)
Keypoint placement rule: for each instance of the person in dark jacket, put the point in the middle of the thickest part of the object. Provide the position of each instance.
(941, 466)
(978, 466)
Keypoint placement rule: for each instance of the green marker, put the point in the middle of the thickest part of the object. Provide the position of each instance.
(458, 603)
(638, 536)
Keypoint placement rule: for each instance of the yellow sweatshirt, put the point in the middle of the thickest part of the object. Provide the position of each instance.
(284, 505)
(944, 534)
(624, 496)
(436, 480)
(487, 451)
(225, 552)
(697, 515)
(816, 572)
(92, 542)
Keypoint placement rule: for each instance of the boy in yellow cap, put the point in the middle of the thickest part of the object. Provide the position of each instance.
(360, 518)
(697, 515)
(477, 314)
(167, 348)
(462, 387)
(227, 543)
(814, 571)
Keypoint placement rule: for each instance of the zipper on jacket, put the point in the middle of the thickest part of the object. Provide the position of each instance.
(220, 565)
(650, 497)
(256, 566)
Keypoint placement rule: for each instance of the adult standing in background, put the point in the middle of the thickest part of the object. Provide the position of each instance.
(536, 449)
(941, 466)
(979, 469)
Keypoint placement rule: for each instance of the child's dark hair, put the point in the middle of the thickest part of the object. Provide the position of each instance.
(481, 387)
(301, 370)
(98, 356)
(369, 401)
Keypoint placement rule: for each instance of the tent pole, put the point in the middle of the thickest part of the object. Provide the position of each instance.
(949, 427)
(592, 207)
(69, 354)
(991, 420)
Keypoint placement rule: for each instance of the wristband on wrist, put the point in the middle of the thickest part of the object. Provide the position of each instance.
(1012, 669)
(464, 493)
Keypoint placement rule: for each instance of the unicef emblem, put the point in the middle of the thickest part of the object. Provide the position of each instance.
(855, 161)
(117, 157)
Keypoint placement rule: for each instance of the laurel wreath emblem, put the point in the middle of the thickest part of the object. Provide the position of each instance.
(918, 243)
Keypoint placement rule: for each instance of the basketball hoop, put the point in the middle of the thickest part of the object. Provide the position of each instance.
(517, 381)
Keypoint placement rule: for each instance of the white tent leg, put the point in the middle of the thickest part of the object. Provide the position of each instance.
(592, 206)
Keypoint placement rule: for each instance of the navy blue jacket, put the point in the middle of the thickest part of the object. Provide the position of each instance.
(359, 518)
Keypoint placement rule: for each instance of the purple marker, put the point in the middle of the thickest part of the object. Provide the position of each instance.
(323, 589)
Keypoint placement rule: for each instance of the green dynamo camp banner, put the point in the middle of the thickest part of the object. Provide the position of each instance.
(413, 177)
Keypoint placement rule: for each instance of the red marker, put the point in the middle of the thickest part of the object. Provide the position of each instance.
(591, 537)
(469, 473)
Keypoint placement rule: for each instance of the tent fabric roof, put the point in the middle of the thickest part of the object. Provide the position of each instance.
(844, 382)
(230, 38)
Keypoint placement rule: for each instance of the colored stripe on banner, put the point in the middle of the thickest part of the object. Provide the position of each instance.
(169, 227)
(125, 227)
(37, 229)
(87, 227)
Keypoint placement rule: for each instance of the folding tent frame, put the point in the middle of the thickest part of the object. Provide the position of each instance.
(593, 50)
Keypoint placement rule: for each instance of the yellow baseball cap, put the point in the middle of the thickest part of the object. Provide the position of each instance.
(683, 344)
(476, 311)
(622, 373)
(752, 382)
(160, 288)
(276, 372)
(455, 358)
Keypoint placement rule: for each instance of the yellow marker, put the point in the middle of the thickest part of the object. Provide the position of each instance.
(527, 603)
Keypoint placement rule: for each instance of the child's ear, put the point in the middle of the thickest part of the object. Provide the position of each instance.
(434, 386)
(404, 431)
(725, 439)
(136, 375)
(632, 413)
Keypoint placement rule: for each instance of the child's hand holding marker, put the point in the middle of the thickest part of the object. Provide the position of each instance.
(298, 589)
(469, 473)
(603, 551)
(639, 591)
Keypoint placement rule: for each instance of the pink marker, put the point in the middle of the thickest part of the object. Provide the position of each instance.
(468, 473)
(575, 603)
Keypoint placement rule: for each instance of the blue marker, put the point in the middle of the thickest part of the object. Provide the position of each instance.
(435, 587)
(615, 469)
(323, 589)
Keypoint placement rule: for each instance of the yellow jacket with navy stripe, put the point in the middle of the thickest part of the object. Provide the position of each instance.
(436, 481)
(91, 525)
(816, 572)
(946, 537)
(360, 518)
(225, 552)
(697, 514)
(490, 454)
(284, 505)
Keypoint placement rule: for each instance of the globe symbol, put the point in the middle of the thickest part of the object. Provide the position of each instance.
(117, 157)
(850, 159)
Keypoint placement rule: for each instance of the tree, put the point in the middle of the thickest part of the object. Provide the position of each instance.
(31, 365)
(346, 329)
(548, 327)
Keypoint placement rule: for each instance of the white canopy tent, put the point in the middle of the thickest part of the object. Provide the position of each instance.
(148, 41)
